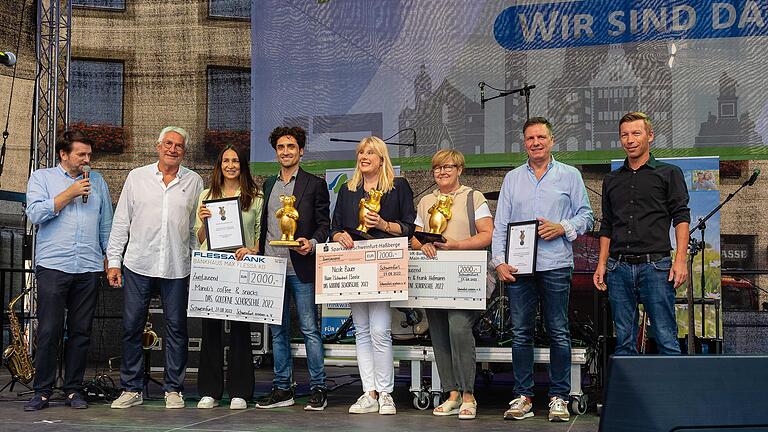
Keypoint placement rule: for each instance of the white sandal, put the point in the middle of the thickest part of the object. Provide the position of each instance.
(447, 408)
(470, 408)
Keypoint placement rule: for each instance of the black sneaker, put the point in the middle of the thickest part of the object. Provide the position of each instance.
(277, 398)
(318, 401)
(40, 401)
(76, 401)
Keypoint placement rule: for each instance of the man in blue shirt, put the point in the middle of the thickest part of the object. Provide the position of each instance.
(73, 213)
(554, 194)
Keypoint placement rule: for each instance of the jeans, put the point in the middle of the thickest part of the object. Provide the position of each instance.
(137, 291)
(647, 283)
(551, 288)
(304, 296)
(57, 291)
(373, 343)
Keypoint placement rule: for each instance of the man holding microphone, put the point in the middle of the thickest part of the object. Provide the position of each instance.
(73, 213)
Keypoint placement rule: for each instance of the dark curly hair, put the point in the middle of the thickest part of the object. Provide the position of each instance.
(296, 132)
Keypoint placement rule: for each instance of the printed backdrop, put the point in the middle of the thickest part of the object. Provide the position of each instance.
(349, 68)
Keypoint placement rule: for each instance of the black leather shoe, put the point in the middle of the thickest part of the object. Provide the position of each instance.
(37, 403)
(76, 401)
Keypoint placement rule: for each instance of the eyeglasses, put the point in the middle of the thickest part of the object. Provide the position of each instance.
(170, 144)
(447, 168)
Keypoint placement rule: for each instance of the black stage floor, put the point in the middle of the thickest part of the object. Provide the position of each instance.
(152, 416)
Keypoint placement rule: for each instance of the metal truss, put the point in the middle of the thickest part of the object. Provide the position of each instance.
(53, 51)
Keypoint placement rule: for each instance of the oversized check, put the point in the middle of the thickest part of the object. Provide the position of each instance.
(451, 280)
(221, 287)
(373, 270)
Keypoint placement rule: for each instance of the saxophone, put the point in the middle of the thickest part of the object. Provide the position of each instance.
(149, 338)
(16, 355)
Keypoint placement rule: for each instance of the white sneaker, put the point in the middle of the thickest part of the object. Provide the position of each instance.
(174, 400)
(238, 404)
(207, 402)
(386, 404)
(364, 404)
(128, 399)
(558, 410)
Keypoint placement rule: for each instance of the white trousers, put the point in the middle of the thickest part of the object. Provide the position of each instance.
(373, 340)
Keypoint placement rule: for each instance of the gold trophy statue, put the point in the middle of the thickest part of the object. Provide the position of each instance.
(439, 215)
(371, 203)
(288, 215)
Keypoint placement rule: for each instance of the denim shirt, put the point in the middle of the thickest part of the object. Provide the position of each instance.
(74, 239)
(559, 197)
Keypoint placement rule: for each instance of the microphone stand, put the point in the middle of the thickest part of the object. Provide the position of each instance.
(413, 144)
(694, 247)
(524, 91)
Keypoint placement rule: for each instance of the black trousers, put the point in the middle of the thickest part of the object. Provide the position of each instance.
(210, 375)
(57, 291)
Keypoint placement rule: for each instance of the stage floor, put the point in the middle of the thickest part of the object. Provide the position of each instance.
(152, 416)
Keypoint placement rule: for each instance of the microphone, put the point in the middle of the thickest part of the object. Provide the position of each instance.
(753, 178)
(7, 58)
(86, 174)
(481, 84)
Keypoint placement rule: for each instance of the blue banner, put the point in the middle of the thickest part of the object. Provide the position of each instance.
(584, 23)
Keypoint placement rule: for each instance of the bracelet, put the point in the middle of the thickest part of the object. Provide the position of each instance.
(387, 228)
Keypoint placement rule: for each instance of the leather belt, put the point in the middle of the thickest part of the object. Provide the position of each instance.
(640, 258)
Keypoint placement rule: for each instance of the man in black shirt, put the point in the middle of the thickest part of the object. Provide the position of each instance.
(640, 200)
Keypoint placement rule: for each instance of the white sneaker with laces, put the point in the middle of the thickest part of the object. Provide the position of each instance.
(207, 402)
(558, 410)
(386, 404)
(238, 404)
(364, 404)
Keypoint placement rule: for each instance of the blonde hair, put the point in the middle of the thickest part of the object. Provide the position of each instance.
(445, 155)
(637, 115)
(386, 172)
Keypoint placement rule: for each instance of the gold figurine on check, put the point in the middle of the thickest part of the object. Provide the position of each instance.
(440, 214)
(372, 203)
(287, 215)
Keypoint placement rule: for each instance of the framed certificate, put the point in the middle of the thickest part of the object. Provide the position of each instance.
(224, 229)
(522, 243)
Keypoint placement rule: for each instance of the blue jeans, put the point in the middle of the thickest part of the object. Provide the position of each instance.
(304, 296)
(551, 288)
(647, 283)
(137, 291)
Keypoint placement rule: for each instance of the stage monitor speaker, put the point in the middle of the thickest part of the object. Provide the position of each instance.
(682, 393)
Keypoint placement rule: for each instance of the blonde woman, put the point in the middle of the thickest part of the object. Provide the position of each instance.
(372, 320)
(451, 330)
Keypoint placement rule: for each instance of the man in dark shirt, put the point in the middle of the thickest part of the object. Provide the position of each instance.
(640, 200)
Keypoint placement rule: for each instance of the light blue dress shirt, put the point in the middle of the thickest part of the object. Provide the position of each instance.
(74, 240)
(559, 197)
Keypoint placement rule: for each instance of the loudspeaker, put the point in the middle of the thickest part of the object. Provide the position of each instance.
(745, 332)
(682, 393)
